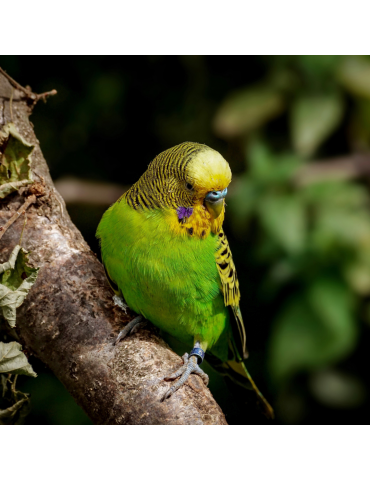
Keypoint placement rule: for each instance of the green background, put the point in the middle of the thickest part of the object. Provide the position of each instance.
(296, 132)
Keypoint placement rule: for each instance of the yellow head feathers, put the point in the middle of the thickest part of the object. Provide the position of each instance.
(208, 171)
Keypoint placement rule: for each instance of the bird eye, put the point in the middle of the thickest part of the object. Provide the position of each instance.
(189, 186)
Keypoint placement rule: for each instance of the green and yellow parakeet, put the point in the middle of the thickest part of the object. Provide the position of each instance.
(165, 252)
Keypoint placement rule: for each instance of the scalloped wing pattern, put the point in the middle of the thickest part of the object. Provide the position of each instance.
(230, 285)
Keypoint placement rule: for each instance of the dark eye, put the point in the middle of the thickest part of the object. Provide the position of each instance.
(189, 186)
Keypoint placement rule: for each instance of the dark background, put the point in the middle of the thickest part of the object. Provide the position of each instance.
(296, 132)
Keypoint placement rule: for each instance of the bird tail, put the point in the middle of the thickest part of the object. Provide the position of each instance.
(239, 375)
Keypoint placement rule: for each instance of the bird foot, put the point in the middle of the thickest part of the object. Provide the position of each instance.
(131, 328)
(120, 303)
(190, 366)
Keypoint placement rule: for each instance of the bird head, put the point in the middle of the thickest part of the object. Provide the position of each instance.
(185, 176)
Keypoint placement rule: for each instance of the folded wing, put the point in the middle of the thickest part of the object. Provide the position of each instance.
(230, 287)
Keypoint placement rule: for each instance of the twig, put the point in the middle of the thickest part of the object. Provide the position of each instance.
(340, 168)
(33, 96)
(57, 198)
(11, 105)
(74, 190)
(43, 96)
(24, 224)
(12, 388)
(29, 201)
(16, 185)
(18, 86)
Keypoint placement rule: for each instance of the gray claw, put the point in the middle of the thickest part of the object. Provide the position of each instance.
(190, 366)
(137, 327)
(131, 327)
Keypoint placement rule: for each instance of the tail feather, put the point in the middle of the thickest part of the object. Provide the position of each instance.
(239, 374)
(241, 369)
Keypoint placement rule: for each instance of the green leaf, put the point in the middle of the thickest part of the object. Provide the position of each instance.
(357, 269)
(260, 161)
(15, 163)
(16, 279)
(10, 264)
(338, 194)
(335, 227)
(267, 168)
(313, 119)
(314, 330)
(354, 74)
(13, 360)
(248, 109)
(340, 216)
(358, 276)
(284, 219)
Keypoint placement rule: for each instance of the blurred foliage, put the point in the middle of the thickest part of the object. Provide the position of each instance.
(301, 245)
(315, 240)
(310, 240)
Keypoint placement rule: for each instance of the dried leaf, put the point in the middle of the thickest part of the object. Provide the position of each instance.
(15, 163)
(16, 279)
(13, 360)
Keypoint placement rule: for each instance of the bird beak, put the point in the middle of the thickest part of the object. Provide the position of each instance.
(214, 202)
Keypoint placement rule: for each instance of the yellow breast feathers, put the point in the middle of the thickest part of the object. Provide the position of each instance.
(198, 224)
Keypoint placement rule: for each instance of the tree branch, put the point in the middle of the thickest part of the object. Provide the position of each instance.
(34, 97)
(339, 168)
(69, 321)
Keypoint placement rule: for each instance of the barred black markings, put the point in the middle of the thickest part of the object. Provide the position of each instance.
(164, 182)
(230, 285)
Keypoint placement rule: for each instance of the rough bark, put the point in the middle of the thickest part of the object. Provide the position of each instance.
(69, 320)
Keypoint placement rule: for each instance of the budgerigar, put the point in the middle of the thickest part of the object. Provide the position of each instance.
(165, 252)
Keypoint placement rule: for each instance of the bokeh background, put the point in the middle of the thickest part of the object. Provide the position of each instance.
(296, 132)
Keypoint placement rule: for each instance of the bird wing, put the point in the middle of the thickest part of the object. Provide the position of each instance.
(230, 286)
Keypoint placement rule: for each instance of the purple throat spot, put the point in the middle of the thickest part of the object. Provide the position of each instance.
(183, 212)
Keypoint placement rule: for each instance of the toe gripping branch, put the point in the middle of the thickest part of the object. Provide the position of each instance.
(190, 366)
(198, 353)
(130, 328)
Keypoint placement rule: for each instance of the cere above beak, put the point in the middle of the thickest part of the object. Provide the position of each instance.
(214, 202)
